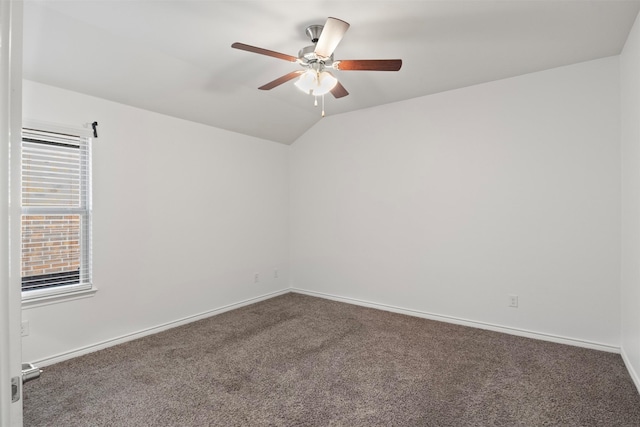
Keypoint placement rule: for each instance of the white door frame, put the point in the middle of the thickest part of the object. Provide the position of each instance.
(10, 127)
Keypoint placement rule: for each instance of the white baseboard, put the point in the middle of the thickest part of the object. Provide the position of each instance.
(466, 322)
(153, 330)
(386, 307)
(632, 371)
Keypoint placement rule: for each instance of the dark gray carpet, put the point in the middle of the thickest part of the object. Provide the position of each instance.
(296, 360)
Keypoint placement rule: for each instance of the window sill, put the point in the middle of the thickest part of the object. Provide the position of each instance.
(57, 298)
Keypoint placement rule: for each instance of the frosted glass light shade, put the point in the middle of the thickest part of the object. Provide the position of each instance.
(316, 84)
(307, 81)
(326, 82)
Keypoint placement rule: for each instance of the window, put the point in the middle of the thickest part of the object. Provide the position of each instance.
(56, 214)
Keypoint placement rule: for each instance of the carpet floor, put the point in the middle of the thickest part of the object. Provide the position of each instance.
(297, 360)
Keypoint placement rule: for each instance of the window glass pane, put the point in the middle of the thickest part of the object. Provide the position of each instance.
(51, 250)
(51, 174)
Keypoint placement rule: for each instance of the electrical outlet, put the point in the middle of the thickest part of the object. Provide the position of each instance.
(513, 301)
(275, 273)
(24, 328)
(256, 277)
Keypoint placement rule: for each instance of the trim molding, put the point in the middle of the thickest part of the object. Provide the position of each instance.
(55, 298)
(386, 307)
(83, 130)
(153, 330)
(465, 322)
(632, 372)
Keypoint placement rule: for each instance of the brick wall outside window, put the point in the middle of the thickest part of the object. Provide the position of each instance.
(50, 244)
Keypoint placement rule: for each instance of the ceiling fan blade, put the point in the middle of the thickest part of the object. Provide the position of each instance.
(262, 51)
(368, 64)
(280, 80)
(331, 35)
(339, 91)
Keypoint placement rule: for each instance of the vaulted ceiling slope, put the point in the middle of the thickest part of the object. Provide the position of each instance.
(175, 57)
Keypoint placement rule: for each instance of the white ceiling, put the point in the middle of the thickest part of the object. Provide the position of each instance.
(175, 57)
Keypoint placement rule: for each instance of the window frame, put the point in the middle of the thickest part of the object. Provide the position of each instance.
(85, 288)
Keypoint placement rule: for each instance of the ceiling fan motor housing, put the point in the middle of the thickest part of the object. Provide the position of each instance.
(308, 56)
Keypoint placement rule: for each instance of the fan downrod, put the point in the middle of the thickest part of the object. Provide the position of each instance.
(314, 31)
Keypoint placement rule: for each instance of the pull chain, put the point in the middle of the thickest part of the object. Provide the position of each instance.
(315, 103)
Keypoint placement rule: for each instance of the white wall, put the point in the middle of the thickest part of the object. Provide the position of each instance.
(184, 214)
(442, 204)
(446, 204)
(630, 99)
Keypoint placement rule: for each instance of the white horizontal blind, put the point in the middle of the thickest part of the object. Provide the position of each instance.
(56, 213)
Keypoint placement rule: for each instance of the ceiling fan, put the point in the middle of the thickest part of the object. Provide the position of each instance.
(314, 78)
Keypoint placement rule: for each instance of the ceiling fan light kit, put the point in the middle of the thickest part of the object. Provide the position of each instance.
(316, 83)
(315, 80)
